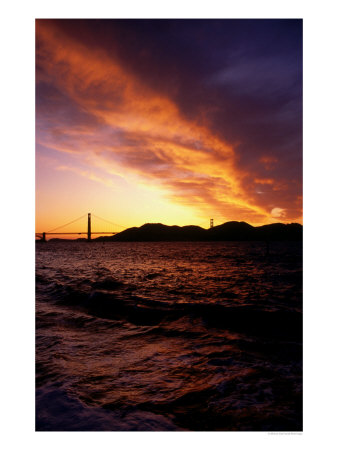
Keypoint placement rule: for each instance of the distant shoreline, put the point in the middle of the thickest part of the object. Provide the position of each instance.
(229, 231)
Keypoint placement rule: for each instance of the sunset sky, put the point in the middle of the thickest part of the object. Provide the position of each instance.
(172, 121)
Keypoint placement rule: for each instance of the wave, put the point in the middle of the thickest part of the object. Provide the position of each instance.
(119, 303)
(57, 410)
(108, 283)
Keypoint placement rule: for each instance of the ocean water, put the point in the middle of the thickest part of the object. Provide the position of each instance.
(168, 336)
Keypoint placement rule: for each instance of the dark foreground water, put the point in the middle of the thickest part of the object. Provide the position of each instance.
(168, 336)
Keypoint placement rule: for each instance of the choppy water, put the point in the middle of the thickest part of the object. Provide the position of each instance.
(168, 336)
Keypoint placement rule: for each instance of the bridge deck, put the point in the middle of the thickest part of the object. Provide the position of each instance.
(82, 232)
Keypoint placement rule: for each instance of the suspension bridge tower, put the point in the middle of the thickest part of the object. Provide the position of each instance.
(89, 232)
(211, 223)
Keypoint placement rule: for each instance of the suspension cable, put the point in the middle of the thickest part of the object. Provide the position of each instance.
(69, 223)
(108, 221)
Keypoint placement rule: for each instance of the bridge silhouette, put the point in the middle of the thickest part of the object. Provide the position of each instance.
(89, 232)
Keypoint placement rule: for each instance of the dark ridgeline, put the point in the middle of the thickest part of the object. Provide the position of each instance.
(230, 231)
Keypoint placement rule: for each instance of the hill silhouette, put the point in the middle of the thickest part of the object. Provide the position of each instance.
(229, 231)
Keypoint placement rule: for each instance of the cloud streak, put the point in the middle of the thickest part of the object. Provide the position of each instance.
(93, 105)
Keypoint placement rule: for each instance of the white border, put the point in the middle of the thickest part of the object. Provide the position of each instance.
(17, 224)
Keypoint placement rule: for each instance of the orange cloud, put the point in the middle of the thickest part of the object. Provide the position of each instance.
(139, 129)
(90, 175)
(264, 181)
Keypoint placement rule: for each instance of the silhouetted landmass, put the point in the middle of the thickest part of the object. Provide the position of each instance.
(229, 231)
(232, 231)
